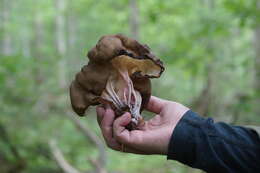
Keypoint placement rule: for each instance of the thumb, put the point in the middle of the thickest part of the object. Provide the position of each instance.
(119, 128)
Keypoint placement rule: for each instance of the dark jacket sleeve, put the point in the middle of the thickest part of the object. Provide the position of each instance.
(214, 147)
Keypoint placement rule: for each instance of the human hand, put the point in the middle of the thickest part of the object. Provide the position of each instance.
(152, 138)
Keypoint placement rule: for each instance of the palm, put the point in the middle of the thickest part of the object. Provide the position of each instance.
(151, 137)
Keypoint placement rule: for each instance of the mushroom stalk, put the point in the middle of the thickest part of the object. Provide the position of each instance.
(121, 94)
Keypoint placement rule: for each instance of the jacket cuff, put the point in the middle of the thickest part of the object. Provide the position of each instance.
(182, 145)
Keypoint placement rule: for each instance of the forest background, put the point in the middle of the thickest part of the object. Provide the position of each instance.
(210, 48)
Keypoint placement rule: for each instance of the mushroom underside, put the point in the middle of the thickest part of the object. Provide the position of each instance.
(120, 93)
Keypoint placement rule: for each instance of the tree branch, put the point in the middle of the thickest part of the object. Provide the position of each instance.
(59, 158)
(134, 18)
(93, 139)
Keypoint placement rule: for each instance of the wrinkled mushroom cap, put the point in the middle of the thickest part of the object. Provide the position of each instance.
(110, 62)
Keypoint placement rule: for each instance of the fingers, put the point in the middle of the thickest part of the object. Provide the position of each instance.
(156, 104)
(119, 129)
(106, 124)
(124, 136)
(100, 114)
(105, 120)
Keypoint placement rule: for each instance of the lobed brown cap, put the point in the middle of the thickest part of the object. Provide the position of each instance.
(111, 53)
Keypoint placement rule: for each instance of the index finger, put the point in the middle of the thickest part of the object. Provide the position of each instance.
(106, 124)
(100, 114)
(155, 105)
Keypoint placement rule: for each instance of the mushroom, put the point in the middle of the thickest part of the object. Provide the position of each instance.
(118, 75)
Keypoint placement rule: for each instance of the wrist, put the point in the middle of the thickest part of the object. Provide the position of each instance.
(177, 112)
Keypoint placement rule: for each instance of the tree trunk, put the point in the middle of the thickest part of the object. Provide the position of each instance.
(202, 103)
(257, 65)
(72, 25)
(6, 41)
(72, 29)
(60, 24)
(60, 27)
(26, 47)
(39, 35)
(134, 19)
(38, 44)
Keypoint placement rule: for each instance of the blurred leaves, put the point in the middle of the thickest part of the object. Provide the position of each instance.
(193, 38)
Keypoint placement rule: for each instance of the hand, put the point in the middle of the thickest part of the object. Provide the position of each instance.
(154, 135)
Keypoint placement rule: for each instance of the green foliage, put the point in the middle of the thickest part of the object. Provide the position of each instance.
(197, 40)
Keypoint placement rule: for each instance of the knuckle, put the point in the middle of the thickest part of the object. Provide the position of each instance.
(117, 135)
(172, 104)
(106, 129)
(121, 138)
(113, 147)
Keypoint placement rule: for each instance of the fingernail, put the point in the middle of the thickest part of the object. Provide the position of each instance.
(109, 110)
(107, 106)
(100, 108)
(127, 115)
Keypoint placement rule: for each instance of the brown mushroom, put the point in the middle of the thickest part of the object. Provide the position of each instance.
(118, 74)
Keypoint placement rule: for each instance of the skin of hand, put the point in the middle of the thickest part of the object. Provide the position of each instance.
(154, 135)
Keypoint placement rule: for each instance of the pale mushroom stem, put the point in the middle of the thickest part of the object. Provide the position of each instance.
(121, 93)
